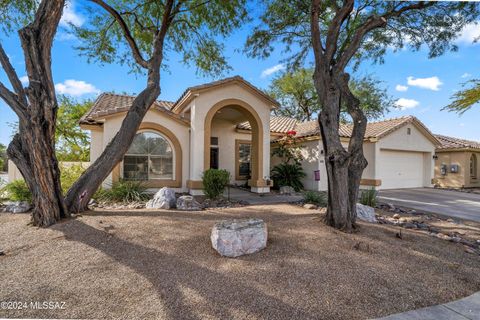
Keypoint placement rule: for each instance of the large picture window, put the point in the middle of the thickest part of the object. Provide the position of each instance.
(149, 157)
(243, 156)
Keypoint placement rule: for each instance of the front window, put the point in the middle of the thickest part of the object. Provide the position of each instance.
(149, 157)
(473, 166)
(244, 158)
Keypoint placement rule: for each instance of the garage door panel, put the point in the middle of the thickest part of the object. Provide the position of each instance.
(400, 169)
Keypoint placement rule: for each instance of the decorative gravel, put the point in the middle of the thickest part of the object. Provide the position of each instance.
(160, 265)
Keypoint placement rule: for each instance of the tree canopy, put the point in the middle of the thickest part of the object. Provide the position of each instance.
(298, 98)
(71, 142)
(194, 33)
(465, 99)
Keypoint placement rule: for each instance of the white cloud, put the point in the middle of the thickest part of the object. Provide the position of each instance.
(24, 80)
(404, 104)
(75, 87)
(69, 15)
(401, 88)
(469, 33)
(272, 70)
(466, 75)
(432, 83)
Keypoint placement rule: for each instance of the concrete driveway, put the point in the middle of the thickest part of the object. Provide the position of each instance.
(450, 203)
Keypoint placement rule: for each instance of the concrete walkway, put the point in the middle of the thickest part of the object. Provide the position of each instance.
(466, 308)
(256, 198)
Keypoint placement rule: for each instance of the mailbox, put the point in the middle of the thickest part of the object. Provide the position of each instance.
(443, 170)
(317, 175)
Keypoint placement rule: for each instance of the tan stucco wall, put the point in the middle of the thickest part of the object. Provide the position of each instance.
(200, 106)
(455, 180)
(113, 124)
(226, 133)
(399, 140)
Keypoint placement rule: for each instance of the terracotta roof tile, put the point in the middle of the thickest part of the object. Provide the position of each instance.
(110, 103)
(456, 143)
(277, 124)
(376, 129)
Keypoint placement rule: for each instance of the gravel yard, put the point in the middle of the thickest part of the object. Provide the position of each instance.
(142, 264)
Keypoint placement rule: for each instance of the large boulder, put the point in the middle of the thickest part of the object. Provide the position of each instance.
(366, 213)
(18, 207)
(287, 190)
(233, 238)
(188, 203)
(163, 199)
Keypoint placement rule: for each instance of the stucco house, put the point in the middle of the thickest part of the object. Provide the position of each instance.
(457, 163)
(227, 124)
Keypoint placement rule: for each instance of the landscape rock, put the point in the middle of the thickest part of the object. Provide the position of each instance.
(163, 199)
(309, 206)
(410, 225)
(396, 216)
(287, 190)
(366, 213)
(391, 206)
(188, 203)
(18, 207)
(234, 238)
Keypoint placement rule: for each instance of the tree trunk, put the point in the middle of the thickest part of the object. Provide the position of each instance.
(82, 190)
(33, 148)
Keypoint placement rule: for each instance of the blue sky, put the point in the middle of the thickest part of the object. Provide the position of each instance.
(423, 86)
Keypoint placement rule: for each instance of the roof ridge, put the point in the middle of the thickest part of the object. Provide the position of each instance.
(128, 96)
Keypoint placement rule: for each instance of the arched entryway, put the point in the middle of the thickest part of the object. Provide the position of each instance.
(257, 136)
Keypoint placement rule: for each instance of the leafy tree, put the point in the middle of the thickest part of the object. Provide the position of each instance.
(298, 97)
(33, 148)
(72, 143)
(3, 157)
(342, 34)
(140, 34)
(463, 100)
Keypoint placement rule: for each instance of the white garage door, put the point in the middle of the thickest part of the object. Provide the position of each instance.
(400, 169)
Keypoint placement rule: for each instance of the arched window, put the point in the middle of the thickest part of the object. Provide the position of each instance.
(473, 166)
(149, 157)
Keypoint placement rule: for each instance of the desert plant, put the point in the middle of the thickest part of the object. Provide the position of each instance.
(288, 174)
(214, 182)
(368, 197)
(18, 191)
(70, 174)
(316, 197)
(123, 191)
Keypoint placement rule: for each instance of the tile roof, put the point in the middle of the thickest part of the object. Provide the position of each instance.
(110, 103)
(277, 124)
(456, 143)
(376, 129)
(221, 82)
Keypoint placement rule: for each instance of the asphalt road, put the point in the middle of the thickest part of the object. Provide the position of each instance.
(450, 203)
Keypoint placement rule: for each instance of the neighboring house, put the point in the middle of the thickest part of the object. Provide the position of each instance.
(399, 153)
(457, 163)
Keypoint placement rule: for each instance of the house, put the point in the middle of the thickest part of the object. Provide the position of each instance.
(227, 124)
(178, 141)
(399, 153)
(456, 163)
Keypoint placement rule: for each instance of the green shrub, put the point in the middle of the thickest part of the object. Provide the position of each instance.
(123, 191)
(68, 175)
(18, 191)
(315, 197)
(214, 182)
(368, 197)
(288, 174)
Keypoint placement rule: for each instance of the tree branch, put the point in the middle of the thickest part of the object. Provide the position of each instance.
(315, 30)
(374, 22)
(126, 32)
(334, 29)
(12, 100)
(13, 77)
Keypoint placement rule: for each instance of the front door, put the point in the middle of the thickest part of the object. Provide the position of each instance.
(214, 158)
